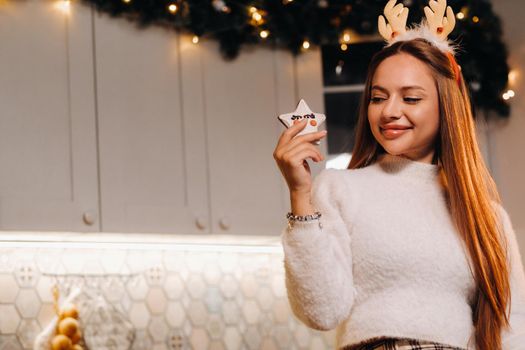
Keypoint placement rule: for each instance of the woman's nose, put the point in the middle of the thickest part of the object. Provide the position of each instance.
(392, 107)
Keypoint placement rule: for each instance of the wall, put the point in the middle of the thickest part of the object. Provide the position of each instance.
(177, 296)
(507, 141)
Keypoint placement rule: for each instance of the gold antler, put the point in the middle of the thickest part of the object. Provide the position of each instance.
(397, 19)
(437, 22)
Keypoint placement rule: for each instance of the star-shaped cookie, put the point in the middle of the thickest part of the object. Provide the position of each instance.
(303, 111)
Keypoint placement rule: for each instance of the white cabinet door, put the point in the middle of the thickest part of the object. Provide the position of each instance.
(243, 99)
(144, 180)
(48, 172)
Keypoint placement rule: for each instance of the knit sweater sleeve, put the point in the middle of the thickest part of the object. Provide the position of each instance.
(514, 338)
(318, 260)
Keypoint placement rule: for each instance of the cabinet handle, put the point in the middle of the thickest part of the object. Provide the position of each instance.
(224, 223)
(89, 218)
(201, 223)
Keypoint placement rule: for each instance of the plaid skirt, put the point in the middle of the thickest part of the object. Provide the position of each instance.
(400, 343)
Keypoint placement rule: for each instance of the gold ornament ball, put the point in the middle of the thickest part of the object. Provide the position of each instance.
(68, 326)
(60, 342)
(75, 338)
(69, 310)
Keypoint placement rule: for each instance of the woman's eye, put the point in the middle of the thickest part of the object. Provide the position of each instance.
(406, 99)
(376, 99)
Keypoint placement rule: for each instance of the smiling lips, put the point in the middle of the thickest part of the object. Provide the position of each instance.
(394, 131)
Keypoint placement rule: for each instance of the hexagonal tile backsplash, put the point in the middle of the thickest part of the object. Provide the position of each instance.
(175, 299)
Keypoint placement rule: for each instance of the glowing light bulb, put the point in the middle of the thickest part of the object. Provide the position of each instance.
(127, 1)
(339, 67)
(256, 16)
(344, 47)
(346, 37)
(253, 9)
(173, 8)
(195, 39)
(460, 15)
(511, 93)
(264, 34)
(475, 19)
(306, 44)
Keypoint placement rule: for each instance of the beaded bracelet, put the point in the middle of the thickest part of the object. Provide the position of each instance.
(311, 217)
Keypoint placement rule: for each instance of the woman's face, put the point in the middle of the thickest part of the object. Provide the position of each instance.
(404, 95)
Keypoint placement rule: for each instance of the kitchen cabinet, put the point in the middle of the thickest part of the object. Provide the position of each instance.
(130, 130)
(48, 173)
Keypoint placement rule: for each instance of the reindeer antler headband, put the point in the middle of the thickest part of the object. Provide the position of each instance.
(435, 29)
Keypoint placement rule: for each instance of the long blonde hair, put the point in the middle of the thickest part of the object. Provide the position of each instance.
(471, 193)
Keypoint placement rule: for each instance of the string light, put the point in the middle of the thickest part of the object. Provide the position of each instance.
(346, 37)
(475, 19)
(126, 1)
(195, 39)
(64, 6)
(264, 34)
(306, 44)
(257, 16)
(460, 15)
(508, 95)
(173, 8)
(339, 67)
(286, 2)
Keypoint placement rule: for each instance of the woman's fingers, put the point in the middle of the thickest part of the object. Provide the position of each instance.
(289, 133)
(304, 139)
(283, 147)
(298, 154)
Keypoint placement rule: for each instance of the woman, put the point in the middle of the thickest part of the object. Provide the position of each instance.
(410, 247)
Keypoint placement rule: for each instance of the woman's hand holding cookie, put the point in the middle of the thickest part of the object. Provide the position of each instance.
(291, 153)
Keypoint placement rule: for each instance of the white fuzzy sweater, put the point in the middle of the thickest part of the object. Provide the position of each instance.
(388, 260)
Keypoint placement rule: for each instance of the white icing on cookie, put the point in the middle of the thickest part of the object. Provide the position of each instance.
(301, 112)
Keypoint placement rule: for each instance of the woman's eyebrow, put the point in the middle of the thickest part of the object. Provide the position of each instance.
(410, 87)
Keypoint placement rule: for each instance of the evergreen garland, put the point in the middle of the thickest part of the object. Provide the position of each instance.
(289, 23)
